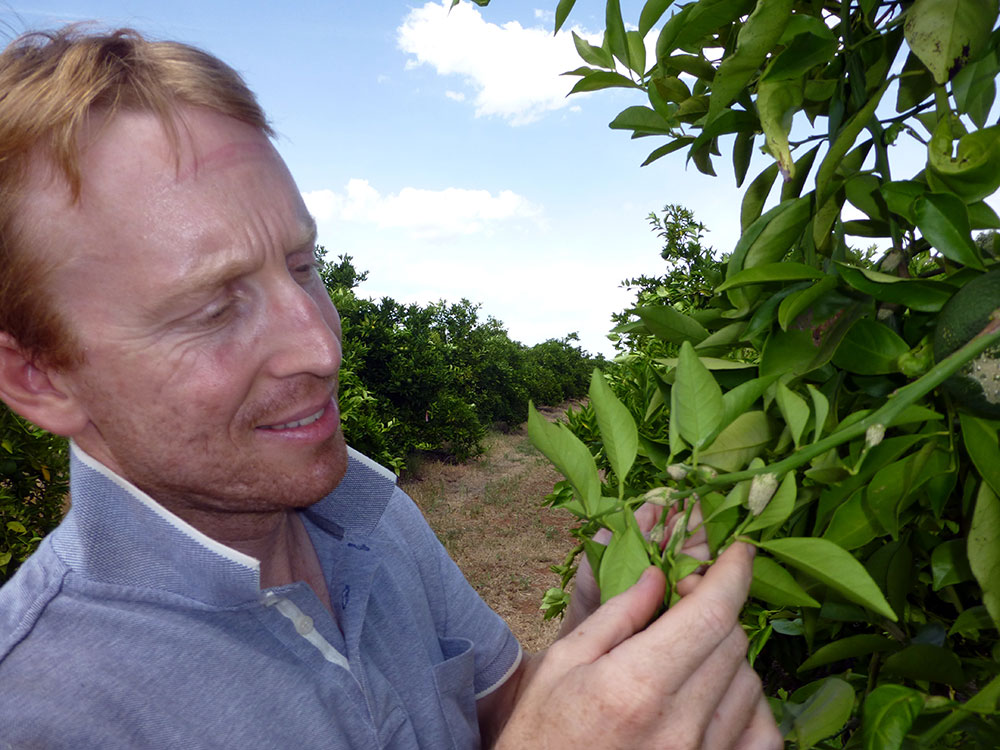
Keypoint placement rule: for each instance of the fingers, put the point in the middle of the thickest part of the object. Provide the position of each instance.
(762, 734)
(737, 711)
(695, 626)
(616, 620)
(647, 515)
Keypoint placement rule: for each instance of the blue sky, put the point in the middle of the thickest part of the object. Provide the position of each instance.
(440, 150)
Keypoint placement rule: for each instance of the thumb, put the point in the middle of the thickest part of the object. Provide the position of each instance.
(619, 618)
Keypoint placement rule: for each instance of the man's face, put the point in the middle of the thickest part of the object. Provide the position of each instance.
(211, 346)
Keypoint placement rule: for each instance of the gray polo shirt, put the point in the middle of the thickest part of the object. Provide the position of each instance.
(128, 628)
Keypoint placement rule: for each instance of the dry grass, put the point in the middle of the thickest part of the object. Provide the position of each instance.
(488, 514)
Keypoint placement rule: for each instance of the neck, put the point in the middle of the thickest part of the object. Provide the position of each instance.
(286, 553)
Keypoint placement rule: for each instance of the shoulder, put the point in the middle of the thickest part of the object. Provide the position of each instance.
(26, 596)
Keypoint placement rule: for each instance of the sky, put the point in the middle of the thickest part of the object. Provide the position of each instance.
(440, 151)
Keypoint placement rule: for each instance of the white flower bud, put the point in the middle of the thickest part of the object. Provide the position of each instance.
(762, 489)
(677, 472)
(677, 533)
(656, 535)
(874, 435)
(662, 496)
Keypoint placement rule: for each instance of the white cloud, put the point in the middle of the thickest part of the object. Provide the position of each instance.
(425, 214)
(455, 96)
(514, 71)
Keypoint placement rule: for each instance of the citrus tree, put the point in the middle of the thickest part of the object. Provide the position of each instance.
(838, 412)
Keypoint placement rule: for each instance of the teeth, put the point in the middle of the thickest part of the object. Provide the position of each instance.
(299, 423)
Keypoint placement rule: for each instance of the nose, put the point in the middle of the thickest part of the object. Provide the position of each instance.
(304, 329)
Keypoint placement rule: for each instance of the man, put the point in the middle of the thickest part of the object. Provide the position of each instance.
(231, 574)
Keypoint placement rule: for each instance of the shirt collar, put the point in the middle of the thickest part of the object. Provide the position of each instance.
(116, 533)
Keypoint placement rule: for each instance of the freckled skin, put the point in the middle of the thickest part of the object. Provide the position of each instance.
(175, 389)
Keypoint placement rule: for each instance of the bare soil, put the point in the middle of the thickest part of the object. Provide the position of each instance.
(488, 513)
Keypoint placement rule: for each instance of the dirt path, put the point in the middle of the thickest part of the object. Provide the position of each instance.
(489, 516)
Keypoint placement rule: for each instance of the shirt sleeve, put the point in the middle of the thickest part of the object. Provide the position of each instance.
(459, 611)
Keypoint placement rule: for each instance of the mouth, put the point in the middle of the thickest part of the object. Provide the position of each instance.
(302, 422)
(297, 423)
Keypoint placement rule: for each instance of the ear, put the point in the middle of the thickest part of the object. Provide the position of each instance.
(33, 391)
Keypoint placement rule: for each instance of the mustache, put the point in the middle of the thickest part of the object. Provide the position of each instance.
(274, 406)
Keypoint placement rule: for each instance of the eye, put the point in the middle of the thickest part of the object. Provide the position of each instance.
(303, 270)
(217, 313)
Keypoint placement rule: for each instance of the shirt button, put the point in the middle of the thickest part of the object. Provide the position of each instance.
(304, 625)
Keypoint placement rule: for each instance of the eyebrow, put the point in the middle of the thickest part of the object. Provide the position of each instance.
(207, 277)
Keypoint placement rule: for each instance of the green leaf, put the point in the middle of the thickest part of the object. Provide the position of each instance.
(975, 88)
(888, 713)
(984, 549)
(821, 408)
(757, 37)
(755, 197)
(847, 648)
(742, 154)
(744, 439)
(980, 439)
(618, 430)
(17, 527)
(773, 584)
(696, 20)
(834, 566)
(771, 272)
(971, 621)
(787, 353)
(675, 145)
(870, 348)
(795, 410)
(569, 455)
(615, 32)
(652, 11)
(641, 120)
(950, 564)
(786, 224)
(946, 34)
(924, 661)
(739, 399)
(943, 220)
(777, 103)
(921, 295)
(801, 54)
(671, 326)
(780, 507)
(986, 701)
(843, 143)
(901, 195)
(562, 11)
(591, 54)
(636, 52)
(824, 713)
(972, 172)
(699, 399)
(850, 526)
(802, 300)
(602, 79)
(623, 561)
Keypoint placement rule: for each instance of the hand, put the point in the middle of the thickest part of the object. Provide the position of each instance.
(586, 596)
(681, 682)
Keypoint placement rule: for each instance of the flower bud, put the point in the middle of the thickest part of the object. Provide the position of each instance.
(656, 535)
(874, 435)
(762, 489)
(662, 496)
(677, 472)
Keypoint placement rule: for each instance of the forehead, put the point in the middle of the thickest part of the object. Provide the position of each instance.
(150, 200)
